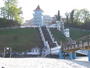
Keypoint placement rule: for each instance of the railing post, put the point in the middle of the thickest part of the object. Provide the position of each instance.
(61, 54)
(88, 42)
(77, 44)
(89, 55)
(7, 51)
(83, 43)
(61, 51)
(72, 55)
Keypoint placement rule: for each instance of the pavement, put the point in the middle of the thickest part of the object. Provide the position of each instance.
(42, 63)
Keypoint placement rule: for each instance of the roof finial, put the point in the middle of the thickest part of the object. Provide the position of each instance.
(38, 8)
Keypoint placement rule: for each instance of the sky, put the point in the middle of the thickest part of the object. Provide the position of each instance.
(50, 7)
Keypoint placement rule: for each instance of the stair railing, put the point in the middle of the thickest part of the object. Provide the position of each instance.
(51, 36)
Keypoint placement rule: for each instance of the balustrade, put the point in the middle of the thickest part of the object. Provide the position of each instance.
(83, 43)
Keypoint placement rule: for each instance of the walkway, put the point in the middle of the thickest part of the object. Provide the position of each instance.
(81, 44)
(41, 63)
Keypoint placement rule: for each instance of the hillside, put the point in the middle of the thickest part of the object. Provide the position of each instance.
(75, 34)
(58, 35)
(20, 39)
(78, 33)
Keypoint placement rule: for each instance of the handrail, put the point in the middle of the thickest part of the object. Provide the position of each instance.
(42, 36)
(50, 33)
(52, 36)
(80, 45)
(45, 43)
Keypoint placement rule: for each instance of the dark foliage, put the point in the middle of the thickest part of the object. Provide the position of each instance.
(8, 23)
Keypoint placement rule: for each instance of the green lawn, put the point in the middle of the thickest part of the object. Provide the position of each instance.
(74, 33)
(20, 39)
(23, 39)
(58, 35)
(78, 33)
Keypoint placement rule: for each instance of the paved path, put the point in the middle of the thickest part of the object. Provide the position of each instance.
(40, 63)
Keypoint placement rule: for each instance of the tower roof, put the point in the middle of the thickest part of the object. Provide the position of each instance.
(38, 8)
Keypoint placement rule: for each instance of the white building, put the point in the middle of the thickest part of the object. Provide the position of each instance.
(44, 20)
(47, 20)
(38, 17)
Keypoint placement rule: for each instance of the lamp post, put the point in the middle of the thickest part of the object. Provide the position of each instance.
(7, 50)
(67, 15)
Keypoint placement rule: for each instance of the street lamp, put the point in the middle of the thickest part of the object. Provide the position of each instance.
(7, 50)
(67, 15)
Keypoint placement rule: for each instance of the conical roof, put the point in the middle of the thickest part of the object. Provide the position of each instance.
(38, 8)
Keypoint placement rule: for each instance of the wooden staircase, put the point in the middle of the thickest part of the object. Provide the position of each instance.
(81, 44)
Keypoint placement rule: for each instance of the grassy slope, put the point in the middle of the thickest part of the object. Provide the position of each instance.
(74, 33)
(19, 39)
(78, 33)
(58, 35)
(26, 38)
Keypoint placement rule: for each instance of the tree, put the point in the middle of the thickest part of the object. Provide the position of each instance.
(11, 12)
(84, 15)
(79, 18)
(3, 12)
(72, 16)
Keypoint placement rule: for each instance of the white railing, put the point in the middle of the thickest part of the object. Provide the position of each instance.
(47, 50)
(51, 26)
(51, 36)
(84, 52)
(56, 43)
(55, 50)
(47, 45)
(42, 36)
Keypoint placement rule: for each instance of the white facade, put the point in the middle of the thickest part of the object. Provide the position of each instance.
(58, 25)
(47, 20)
(44, 20)
(66, 32)
(38, 17)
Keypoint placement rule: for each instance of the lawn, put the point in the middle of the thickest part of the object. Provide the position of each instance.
(23, 39)
(75, 34)
(58, 35)
(78, 33)
(20, 39)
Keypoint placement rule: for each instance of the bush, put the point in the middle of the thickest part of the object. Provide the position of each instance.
(8, 23)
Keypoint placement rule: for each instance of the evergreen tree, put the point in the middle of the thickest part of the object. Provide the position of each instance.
(72, 16)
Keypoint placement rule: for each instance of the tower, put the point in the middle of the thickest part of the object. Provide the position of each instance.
(58, 16)
(38, 17)
(59, 22)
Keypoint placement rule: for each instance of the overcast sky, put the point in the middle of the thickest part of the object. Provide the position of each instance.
(50, 7)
